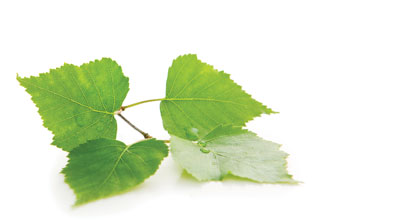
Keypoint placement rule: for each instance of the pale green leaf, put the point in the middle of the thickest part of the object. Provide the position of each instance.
(231, 150)
(103, 167)
(77, 103)
(199, 98)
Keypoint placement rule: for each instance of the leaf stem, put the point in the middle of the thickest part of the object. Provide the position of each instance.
(146, 135)
(138, 103)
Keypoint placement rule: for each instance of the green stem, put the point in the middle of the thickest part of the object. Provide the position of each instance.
(138, 103)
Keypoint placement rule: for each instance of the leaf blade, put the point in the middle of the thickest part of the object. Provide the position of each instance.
(200, 97)
(103, 167)
(231, 150)
(77, 103)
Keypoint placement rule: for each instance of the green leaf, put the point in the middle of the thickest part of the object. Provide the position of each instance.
(78, 103)
(231, 150)
(199, 98)
(103, 167)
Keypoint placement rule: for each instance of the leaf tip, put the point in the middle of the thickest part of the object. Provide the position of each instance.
(18, 77)
(269, 111)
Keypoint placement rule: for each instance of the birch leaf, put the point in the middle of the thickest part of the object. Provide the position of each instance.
(231, 150)
(200, 98)
(101, 168)
(78, 103)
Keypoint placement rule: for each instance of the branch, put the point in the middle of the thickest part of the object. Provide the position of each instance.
(146, 135)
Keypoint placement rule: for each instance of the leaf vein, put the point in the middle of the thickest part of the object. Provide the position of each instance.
(97, 90)
(175, 78)
(79, 87)
(81, 130)
(187, 84)
(68, 99)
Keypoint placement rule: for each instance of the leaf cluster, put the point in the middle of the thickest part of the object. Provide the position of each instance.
(204, 111)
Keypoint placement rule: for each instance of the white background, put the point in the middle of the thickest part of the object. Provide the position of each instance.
(327, 66)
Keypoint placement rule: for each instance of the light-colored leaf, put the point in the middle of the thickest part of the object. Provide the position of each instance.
(78, 103)
(199, 98)
(103, 167)
(231, 150)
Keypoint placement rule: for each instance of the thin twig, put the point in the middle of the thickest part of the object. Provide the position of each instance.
(146, 135)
